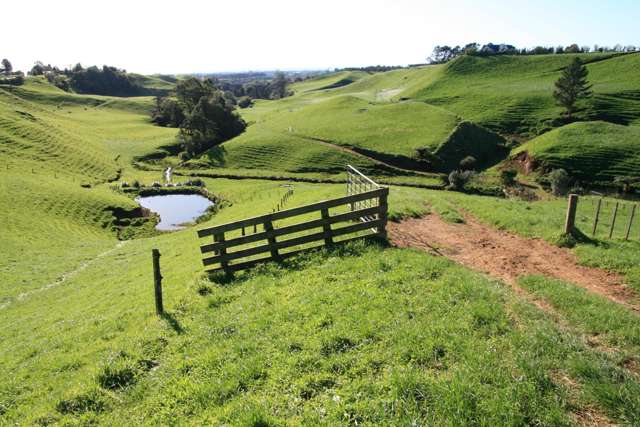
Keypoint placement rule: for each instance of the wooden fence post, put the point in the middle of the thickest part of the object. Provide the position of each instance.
(569, 225)
(326, 227)
(613, 221)
(382, 204)
(223, 251)
(633, 214)
(268, 227)
(595, 222)
(157, 281)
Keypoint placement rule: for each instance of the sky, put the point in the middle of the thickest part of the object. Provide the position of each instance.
(207, 36)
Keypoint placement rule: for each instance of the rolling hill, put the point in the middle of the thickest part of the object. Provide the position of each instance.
(386, 117)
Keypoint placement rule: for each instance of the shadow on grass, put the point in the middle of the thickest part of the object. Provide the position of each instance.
(172, 322)
(312, 257)
(570, 240)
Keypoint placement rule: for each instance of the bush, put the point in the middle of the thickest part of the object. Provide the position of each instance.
(124, 184)
(559, 179)
(136, 184)
(458, 179)
(156, 184)
(245, 102)
(468, 163)
(508, 177)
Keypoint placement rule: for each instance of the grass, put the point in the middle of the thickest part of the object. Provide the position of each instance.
(287, 343)
(606, 321)
(387, 116)
(544, 219)
(589, 151)
(364, 333)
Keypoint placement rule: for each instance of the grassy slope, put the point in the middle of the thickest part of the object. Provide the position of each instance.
(48, 149)
(514, 94)
(506, 94)
(589, 151)
(322, 324)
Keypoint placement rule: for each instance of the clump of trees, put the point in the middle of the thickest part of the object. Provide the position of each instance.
(204, 113)
(94, 80)
(8, 76)
(443, 54)
(572, 86)
(253, 86)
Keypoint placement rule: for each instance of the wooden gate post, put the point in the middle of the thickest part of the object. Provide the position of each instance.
(157, 281)
(570, 223)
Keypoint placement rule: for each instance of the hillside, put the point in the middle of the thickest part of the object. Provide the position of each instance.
(365, 333)
(589, 151)
(386, 117)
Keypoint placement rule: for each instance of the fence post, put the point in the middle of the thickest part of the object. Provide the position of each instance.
(613, 221)
(326, 227)
(268, 227)
(595, 222)
(633, 214)
(157, 281)
(223, 251)
(382, 204)
(571, 214)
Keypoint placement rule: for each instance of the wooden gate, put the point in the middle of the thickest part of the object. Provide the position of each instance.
(366, 215)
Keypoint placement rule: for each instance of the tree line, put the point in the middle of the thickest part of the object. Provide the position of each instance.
(443, 54)
(204, 112)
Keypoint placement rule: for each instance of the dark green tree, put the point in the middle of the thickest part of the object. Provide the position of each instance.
(279, 85)
(572, 86)
(7, 68)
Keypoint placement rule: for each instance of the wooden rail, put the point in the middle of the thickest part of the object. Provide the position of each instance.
(370, 217)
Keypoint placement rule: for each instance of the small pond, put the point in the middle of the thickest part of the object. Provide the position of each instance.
(175, 209)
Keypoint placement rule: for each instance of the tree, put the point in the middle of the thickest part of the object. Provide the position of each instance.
(572, 86)
(7, 68)
(279, 85)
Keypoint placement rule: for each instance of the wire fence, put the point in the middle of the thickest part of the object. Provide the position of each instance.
(606, 218)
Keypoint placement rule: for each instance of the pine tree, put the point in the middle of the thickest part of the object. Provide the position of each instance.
(572, 86)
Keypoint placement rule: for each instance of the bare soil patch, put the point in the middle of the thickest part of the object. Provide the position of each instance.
(506, 256)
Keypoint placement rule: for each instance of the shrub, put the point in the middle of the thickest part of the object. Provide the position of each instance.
(458, 179)
(559, 179)
(184, 156)
(136, 184)
(124, 184)
(508, 177)
(468, 163)
(156, 184)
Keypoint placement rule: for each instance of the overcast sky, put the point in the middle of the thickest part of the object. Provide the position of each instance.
(198, 36)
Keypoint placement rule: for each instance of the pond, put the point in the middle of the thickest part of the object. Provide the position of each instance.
(175, 209)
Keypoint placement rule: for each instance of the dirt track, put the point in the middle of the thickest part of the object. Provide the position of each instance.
(506, 256)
